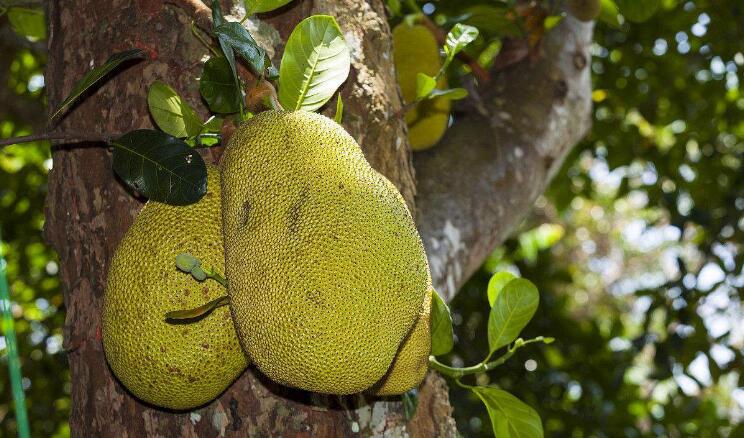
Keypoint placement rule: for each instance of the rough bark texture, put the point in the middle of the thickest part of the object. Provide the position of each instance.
(89, 210)
(476, 185)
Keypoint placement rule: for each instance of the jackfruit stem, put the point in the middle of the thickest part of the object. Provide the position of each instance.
(199, 312)
(484, 366)
(216, 276)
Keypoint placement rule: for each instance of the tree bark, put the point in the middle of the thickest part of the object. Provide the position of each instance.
(88, 209)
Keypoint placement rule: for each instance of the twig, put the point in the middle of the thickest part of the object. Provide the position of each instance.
(197, 10)
(70, 137)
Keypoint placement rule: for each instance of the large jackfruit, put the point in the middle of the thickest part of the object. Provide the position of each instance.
(327, 273)
(412, 361)
(181, 365)
(415, 50)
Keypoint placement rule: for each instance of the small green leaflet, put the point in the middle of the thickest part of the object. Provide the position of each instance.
(172, 114)
(338, 117)
(259, 6)
(97, 74)
(460, 36)
(218, 88)
(217, 18)
(510, 417)
(514, 307)
(441, 326)
(496, 284)
(27, 22)
(315, 63)
(636, 10)
(160, 166)
(425, 84)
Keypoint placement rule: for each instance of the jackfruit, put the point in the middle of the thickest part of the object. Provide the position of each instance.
(326, 270)
(415, 50)
(412, 361)
(584, 10)
(173, 365)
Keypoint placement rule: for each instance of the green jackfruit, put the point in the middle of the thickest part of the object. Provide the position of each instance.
(173, 365)
(326, 270)
(415, 50)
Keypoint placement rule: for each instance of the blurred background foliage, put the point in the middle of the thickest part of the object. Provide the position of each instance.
(636, 247)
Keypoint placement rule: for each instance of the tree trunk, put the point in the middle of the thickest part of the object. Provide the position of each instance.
(88, 209)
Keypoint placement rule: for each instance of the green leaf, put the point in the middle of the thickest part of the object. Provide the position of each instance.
(608, 13)
(217, 18)
(451, 93)
(512, 310)
(162, 167)
(496, 284)
(259, 6)
(638, 10)
(315, 63)
(186, 262)
(510, 417)
(97, 74)
(425, 84)
(28, 22)
(460, 36)
(441, 326)
(213, 125)
(234, 38)
(339, 110)
(217, 86)
(172, 114)
(198, 312)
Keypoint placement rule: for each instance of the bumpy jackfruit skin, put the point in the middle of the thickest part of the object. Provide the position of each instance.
(176, 366)
(415, 50)
(410, 364)
(326, 270)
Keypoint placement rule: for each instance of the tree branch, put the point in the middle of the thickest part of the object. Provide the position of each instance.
(69, 137)
(197, 10)
(478, 183)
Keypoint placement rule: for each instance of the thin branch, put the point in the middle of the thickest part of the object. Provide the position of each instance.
(70, 137)
(197, 10)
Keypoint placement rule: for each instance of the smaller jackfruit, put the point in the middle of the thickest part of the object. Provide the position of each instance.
(174, 365)
(584, 10)
(415, 50)
(410, 364)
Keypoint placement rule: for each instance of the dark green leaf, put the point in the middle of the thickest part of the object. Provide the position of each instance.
(217, 18)
(259, 6)
(638, 10)
(510, 417)
(410, 403)
(97, 74)
(441, 326)
(162, 167)
(496, 284)
(450, 93)
(511, 312)
(218, 87)
(172, 114)
(315, 63)
(28, 22)
(237, 38)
